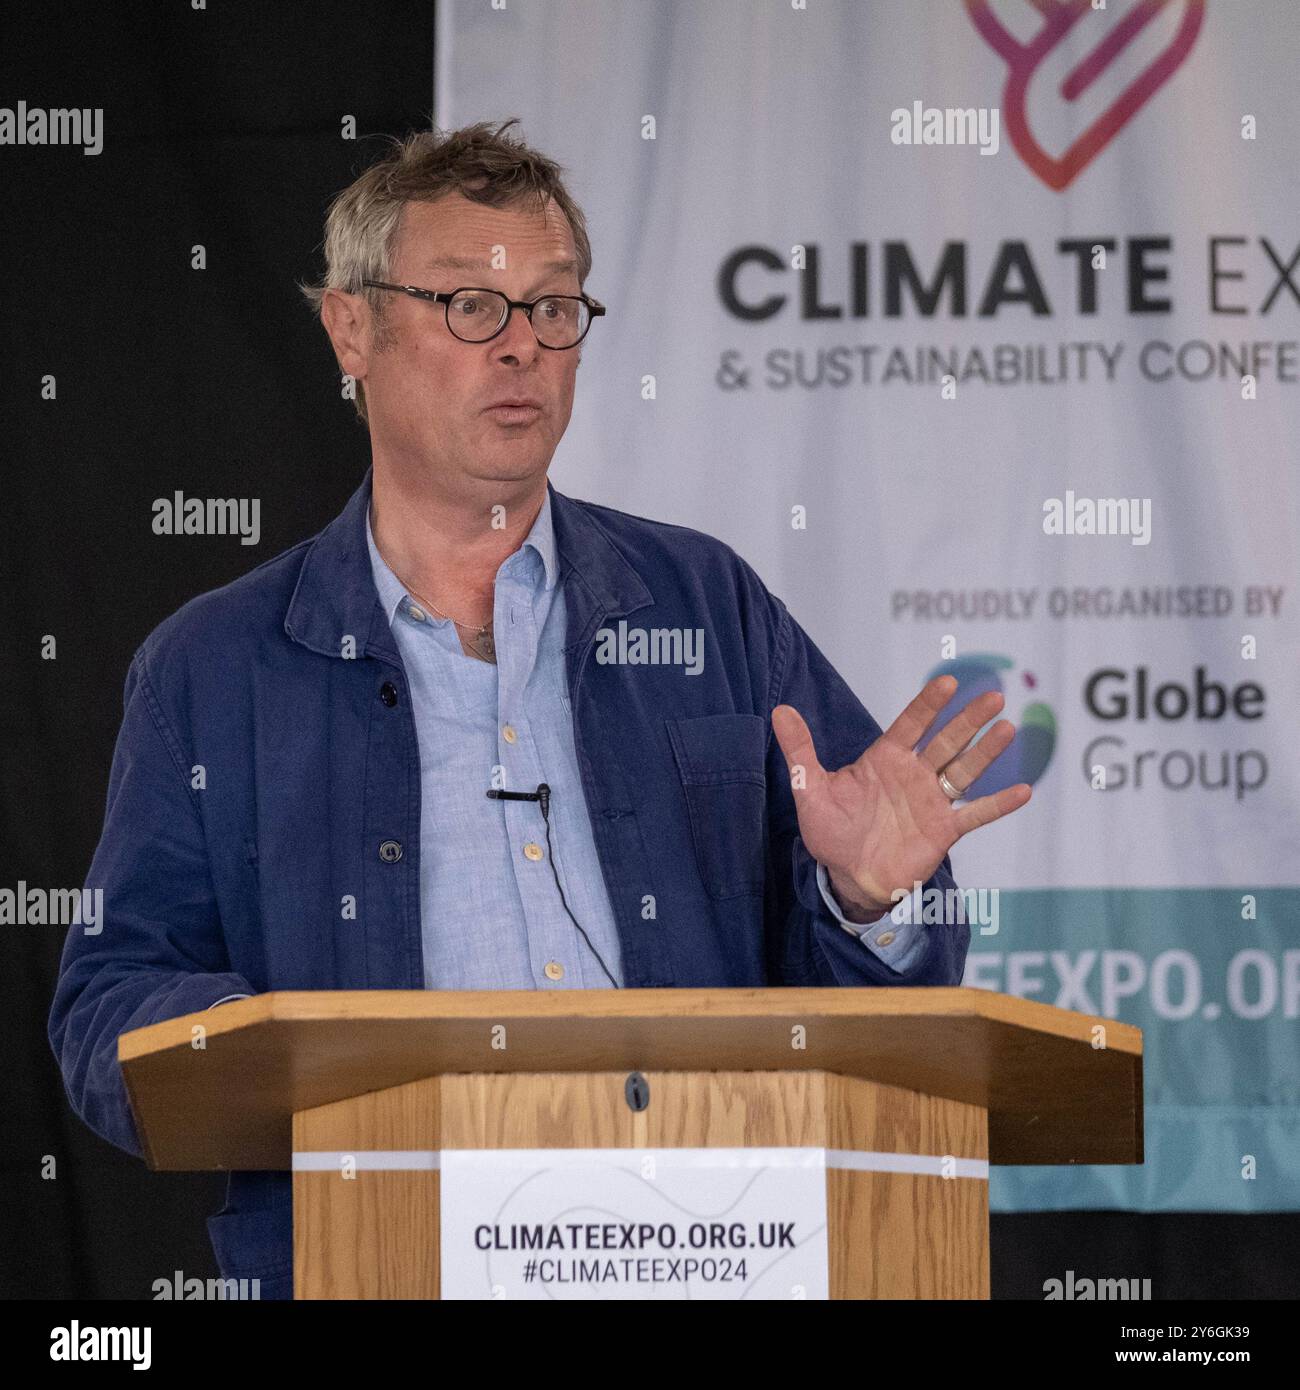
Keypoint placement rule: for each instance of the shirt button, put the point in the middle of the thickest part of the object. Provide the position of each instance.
(532, 851)
(509, 734)
(884, 938)
(417, 613)
(390, 851)
(554, 970)
(388, 694)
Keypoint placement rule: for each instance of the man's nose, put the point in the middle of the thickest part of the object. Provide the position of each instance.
(517, 341)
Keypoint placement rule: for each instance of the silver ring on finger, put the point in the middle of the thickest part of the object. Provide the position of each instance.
(951, 792)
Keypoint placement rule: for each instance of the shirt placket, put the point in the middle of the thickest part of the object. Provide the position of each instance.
(553, 955)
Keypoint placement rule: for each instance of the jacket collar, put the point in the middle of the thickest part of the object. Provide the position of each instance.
(335, 597)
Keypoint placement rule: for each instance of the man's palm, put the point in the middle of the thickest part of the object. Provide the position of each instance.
(883, 823)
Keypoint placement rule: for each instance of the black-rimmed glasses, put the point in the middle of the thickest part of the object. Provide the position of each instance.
(476, 315)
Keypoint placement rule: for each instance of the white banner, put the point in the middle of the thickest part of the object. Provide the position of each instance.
(974, 325)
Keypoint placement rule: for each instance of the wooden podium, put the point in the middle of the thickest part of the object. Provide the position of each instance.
(910, 1092)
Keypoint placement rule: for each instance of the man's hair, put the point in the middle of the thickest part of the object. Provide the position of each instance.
(476, 161)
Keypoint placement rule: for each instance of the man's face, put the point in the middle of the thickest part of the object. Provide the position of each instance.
(429, 395)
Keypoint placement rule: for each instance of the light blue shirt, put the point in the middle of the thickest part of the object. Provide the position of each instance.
(491, 917)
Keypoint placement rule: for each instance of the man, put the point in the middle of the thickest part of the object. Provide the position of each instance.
(301, 792)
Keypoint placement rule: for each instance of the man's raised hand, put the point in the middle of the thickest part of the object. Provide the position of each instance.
(884, 822)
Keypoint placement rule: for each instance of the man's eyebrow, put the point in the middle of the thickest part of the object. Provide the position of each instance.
(469, 263)
(455, 263)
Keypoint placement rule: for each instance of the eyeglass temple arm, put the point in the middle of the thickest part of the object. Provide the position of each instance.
(434, 295)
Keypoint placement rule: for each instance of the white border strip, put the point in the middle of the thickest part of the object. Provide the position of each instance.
(368, 1161)
(852, 1160)
(928, 1165)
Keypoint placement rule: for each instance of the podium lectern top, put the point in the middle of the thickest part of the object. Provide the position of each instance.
(1056, 1089)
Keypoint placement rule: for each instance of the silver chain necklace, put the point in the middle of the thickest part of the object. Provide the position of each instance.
(482, 643)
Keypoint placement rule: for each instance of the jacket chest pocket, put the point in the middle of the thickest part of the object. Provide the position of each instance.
(720, 759)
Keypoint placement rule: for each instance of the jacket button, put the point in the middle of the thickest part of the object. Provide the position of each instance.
(388, 694)
(390, 851)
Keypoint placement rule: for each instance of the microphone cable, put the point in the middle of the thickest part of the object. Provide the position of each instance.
(543, 796)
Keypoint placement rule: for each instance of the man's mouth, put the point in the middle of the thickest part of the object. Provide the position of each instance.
(522, 411)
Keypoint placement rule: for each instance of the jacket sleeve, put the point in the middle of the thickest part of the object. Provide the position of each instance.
(809, 944)
(157, 951)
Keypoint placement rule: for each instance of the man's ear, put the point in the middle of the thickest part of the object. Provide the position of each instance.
(347, 320)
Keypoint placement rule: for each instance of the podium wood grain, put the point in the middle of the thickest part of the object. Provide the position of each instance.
(375, 1234)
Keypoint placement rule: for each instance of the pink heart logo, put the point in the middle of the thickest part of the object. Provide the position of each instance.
(1059, 17)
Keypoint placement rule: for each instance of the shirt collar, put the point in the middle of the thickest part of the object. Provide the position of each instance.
(335, 610)
(392, 592)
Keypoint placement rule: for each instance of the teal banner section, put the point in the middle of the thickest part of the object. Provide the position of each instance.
(1212, 977)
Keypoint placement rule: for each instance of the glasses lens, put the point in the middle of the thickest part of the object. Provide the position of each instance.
(561, 321)
(475, 315)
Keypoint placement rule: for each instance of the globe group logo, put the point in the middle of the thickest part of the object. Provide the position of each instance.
(1059, 18)
(1029, 753)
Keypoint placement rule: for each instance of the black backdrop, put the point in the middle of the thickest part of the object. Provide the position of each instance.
(222, 128)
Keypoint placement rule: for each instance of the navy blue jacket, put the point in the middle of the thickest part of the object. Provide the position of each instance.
(235, 886)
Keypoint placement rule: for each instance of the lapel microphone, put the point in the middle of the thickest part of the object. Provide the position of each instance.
(543, 795)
